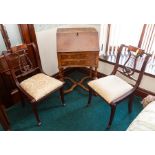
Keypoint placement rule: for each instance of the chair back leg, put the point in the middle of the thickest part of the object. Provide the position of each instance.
(62, 96)
(34, 108)
(130, 103)
(90, 96)
(113, 109)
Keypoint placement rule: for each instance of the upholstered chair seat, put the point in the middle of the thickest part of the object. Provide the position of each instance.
(110, 87)
(40, 85)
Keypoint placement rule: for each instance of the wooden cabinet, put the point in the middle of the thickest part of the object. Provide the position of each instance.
(77, 47)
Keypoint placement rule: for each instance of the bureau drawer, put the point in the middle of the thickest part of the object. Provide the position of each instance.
(78, 58)
(75, 56)
(82, 62)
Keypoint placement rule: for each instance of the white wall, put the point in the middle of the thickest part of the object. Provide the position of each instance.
(47, 49)
(46, 39)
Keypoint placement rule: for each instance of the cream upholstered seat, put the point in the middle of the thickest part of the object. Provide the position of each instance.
(40, 85)
(110, 87)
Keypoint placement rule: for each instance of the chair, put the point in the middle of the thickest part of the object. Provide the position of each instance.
(30, 80)
(114, 89)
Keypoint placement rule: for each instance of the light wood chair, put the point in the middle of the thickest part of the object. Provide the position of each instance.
(30, 79)
(113, 89)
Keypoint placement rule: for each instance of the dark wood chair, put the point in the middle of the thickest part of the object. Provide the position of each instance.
(30, 79)
(115, 88)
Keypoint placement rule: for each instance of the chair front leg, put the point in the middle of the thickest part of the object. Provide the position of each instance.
(130, 103)
(62, 96)
(90, 96)
(113, 109)
(34, 108)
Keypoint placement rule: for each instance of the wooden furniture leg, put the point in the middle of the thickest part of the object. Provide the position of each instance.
(91, 72)
(61, 76)
(90, 96)
(62, 96)
(34, 108)
(95, 73)
(113, 109)
(130, 103)
(77, 83)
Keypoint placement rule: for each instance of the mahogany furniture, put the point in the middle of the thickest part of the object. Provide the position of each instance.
(30, 80)
(77, 47)
(3, 118)
(113, 89)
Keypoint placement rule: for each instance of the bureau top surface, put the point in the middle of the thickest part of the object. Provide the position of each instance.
(77, 39)
(74, 30)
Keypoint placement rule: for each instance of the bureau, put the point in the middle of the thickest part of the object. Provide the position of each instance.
(77, 47)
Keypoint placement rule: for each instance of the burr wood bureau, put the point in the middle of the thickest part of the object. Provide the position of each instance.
(77, 47)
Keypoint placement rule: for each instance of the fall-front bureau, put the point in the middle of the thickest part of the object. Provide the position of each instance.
(77, 47)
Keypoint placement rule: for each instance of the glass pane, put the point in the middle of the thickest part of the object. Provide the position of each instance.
(2, 44)
(13, 34)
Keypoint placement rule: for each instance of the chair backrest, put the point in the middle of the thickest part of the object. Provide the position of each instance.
(131, 60)
(19, 62)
